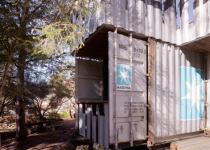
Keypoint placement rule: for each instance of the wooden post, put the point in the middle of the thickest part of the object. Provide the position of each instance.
(151, 67)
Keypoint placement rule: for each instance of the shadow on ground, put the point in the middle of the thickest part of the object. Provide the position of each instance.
(52, 140)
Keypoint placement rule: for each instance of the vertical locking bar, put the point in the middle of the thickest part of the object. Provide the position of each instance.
(131, 89)
(115, 96)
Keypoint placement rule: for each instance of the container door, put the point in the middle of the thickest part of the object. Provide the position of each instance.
(127, 89)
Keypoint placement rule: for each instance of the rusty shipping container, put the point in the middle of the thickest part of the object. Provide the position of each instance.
(134, 90)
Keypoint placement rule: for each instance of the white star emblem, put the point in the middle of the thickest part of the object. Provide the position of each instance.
(194, 93)
(124, 75)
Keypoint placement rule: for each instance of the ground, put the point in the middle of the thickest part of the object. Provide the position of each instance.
(53, 140)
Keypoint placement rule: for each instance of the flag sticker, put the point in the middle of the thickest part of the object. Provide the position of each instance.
(192, 93)
(123, 76)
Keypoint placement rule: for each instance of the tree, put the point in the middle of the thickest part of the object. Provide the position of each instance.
(49, 96)
(32, 30)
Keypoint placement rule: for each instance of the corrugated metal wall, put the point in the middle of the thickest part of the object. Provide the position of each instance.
(93, 122)
(153, 19)
(177, 104)
(208, 89)
(127, 89)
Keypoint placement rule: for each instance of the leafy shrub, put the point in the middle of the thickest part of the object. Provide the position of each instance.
(64, 114)
(53, 116)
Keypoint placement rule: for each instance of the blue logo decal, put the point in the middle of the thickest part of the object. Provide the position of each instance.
(123, 76)
(192, 93)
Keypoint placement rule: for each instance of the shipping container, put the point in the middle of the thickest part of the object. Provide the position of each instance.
(177, 92)
(134, 90)
(174, 21)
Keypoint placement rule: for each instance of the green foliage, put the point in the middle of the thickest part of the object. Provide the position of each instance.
(53, 116)
(32, 35)
(61, 86)
(68, 25)
(64, 114)
(45, 97)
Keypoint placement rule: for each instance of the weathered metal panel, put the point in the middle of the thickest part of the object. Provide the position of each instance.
(103, 125)
(208, 89)
(101, 133)
(156, 18)
(150, 14)
(185, 23)
(89, 80)
(106, 126)
(127, 89)
(178, 101)
(81, 120)
(94, 128)
(89, 115)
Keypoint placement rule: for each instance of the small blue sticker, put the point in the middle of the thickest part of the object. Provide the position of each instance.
(123, 76)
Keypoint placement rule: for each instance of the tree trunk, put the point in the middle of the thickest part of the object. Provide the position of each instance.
(3, 82)
(2, 86)
(20, 101)
(2, 106)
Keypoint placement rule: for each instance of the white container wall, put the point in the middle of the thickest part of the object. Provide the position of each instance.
(127, 89)
(178, 93)
(208, 89)
(155, 18)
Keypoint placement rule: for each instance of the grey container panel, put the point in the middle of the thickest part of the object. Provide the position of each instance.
(90, 89)
(165, 125)
(89, 82)
(123, 132)
(208, 89)
(139, 130)
(94, 130)
(93, 124)
(139, 80)
(106, 126)
(111, 46)
(127, 101)
(177, 91)
(122, 47)
(101, 133)
(103, 127)
(139, 55)
(89, 121)
(89, 68)
(81, 121)
(175, 69)
(171, 92)
(149, 18)
(127, 130)
(124, 105)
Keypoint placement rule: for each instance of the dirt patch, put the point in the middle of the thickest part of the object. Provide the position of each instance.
(58, 139)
